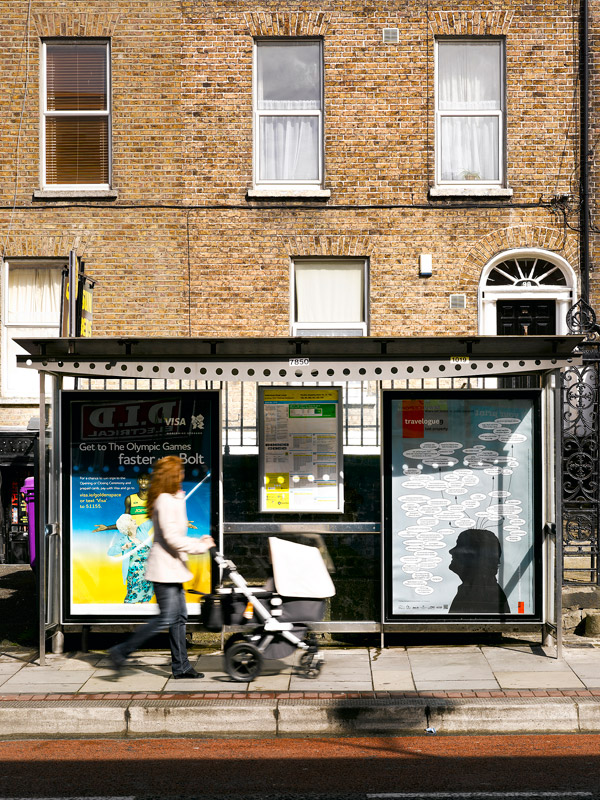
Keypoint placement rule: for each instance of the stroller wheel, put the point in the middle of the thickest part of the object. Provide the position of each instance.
(310, 664)
(243, 661)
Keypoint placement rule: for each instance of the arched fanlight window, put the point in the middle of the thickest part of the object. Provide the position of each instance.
(527, 272)
(526, 290)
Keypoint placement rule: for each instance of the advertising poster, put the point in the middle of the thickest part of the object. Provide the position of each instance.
(462, 516)
(301, 453)
(109, 442)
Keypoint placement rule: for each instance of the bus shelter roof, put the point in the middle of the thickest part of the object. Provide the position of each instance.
(302, 359)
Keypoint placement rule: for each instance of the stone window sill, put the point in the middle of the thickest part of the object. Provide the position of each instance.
(75, 194)
(289, 193)
(470, 191)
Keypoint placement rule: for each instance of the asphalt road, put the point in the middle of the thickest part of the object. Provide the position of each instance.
(553, 767)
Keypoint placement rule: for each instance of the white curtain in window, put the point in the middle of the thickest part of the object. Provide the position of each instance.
(289, 80)
(289, 148)
(33, 295)
(330, 292)
(469, 76)
(469, 148)
(469, 79)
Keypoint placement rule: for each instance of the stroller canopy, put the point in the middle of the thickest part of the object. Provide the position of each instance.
(299, 570)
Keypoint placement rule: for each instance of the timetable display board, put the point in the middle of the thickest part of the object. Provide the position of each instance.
(462, 500)
(301, 449)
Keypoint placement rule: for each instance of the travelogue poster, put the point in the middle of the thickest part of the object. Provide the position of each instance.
(110, 441)
(461, 504)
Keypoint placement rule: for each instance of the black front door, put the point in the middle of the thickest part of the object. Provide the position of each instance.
(526, 318)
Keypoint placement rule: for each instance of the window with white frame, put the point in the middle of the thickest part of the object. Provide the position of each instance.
(76, 114)
(31, 308)
(470, 112)
(288, 113)
(329, 297)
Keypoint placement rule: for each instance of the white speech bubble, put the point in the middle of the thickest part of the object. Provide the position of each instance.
(513, 538)
(422, 576)
(413, 498)
(413, 514)
(409, 560)
(440, 462)
(479, 497)
(427, 522)
(429, 446)
(518, 522)
(493, 471)
(410, 471)
(410, 568)
(508, 421)
(470, 503)
(436, 578)
(414, 454)
(499, 493)
(516, 438)
(430, 563)
(488, 437)
(423, 590)
(440, 502)
(430, 536)
(487, 426)
(414, 582)
(500, 431)
(425, 553)
(456, 491)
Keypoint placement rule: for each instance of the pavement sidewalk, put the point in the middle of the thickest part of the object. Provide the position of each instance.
(514, 686)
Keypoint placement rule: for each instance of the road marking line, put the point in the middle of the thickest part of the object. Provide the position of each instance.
(434, 795)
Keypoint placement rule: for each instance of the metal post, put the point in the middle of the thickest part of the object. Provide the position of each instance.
(41, 523)
(558, 538)
(73, 286)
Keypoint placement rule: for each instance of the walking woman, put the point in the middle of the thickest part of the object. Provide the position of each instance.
(167, 567)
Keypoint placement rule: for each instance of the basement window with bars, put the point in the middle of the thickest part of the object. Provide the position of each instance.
(76, 114)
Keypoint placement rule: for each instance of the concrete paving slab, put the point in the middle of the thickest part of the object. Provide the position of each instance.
(503, 715)
(6, 670)
(308, 685)
(563, 679)
(208, 717)
(63, 719)
(350, 716)
(456, 685)
(517, 659)
(271, 683)
(393, 680)
(34, 676)
(588, 710)
(389, 659)
(129, 680)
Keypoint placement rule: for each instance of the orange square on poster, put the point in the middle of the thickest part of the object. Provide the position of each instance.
(413, 419)
(521, 607)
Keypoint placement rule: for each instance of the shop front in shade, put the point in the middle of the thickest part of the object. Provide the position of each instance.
(18, 451)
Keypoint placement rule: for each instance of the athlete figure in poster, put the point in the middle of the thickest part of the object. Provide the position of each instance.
(475, 559)
(135, 504)
(132, 545)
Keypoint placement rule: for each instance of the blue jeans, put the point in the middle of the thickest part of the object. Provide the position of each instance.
(172, 615)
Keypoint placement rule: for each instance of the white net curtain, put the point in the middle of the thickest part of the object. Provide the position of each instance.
(289, 111)
(330, 291)
(32, 310)
(470, 110)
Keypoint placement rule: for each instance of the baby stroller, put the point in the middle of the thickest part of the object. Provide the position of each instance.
(280, 613)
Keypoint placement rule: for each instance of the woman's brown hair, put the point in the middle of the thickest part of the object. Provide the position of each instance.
(166, 477)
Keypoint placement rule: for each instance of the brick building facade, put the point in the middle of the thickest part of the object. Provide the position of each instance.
(195, 227)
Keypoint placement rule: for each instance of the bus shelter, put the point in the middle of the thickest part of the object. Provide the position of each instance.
(449, 519)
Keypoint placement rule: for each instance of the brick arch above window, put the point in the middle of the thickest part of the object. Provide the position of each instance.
(72, 24)
(334, 246)
(470, 23)
(540, 237)
(299, 23)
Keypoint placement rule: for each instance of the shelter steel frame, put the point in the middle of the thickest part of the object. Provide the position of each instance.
(304, 360)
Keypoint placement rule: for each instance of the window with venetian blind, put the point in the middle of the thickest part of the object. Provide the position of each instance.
(76, 125)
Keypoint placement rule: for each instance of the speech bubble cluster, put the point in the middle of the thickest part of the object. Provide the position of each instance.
(445, 509)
